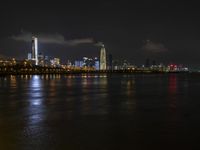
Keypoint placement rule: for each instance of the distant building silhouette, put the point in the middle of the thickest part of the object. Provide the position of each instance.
(154, 63)
(147, 63)
(110, 62)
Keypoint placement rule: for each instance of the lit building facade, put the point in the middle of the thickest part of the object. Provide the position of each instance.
(78, 63)
(41, 61)
(29, 56)
(34, 54)
(55, 62)
(103, 58)
(96, 65)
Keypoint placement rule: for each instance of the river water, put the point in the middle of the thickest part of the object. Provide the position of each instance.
(100, 112)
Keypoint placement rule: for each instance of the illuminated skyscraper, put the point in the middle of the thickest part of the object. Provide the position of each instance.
(29, 56)
(34, 53)
(96, 63)
(103, 58)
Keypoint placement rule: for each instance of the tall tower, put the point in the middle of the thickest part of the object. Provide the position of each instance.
(103, 58)
(34, 53)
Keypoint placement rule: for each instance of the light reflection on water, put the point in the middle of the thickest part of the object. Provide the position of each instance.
(36, 91)
(35, 113)
(53, 110)
(131, 100)
(173, 91)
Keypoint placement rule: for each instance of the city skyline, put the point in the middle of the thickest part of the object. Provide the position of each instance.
(162, 31)
(99, 75)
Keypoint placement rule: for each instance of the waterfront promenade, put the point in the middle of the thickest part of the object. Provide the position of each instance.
(26, 70)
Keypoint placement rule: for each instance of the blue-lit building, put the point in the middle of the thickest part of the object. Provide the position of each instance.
(29, 56)
(96, 64)
(79, 63)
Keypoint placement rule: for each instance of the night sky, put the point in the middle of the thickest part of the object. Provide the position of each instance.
(162, 31)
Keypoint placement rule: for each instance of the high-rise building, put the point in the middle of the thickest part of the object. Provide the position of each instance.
(88, 62)
(96, 65)
(79, 63)
(47, 61)
(41, 61)
(103, 58)
(55, 62)
(34, 53)
(29, 56)
(69, 63)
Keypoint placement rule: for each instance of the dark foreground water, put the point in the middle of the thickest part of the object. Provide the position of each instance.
(100, 112)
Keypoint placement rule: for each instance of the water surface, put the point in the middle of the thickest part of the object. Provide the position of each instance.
(100, 112)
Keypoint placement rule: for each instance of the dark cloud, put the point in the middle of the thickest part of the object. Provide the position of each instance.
(51, 39)
(154, 47)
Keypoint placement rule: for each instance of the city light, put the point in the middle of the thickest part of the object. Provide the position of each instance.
(37, 63)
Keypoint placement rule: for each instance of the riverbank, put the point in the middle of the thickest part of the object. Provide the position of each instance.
(39, 70)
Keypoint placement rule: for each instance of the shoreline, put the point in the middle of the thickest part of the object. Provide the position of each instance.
(39, 70)
(92, 72)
